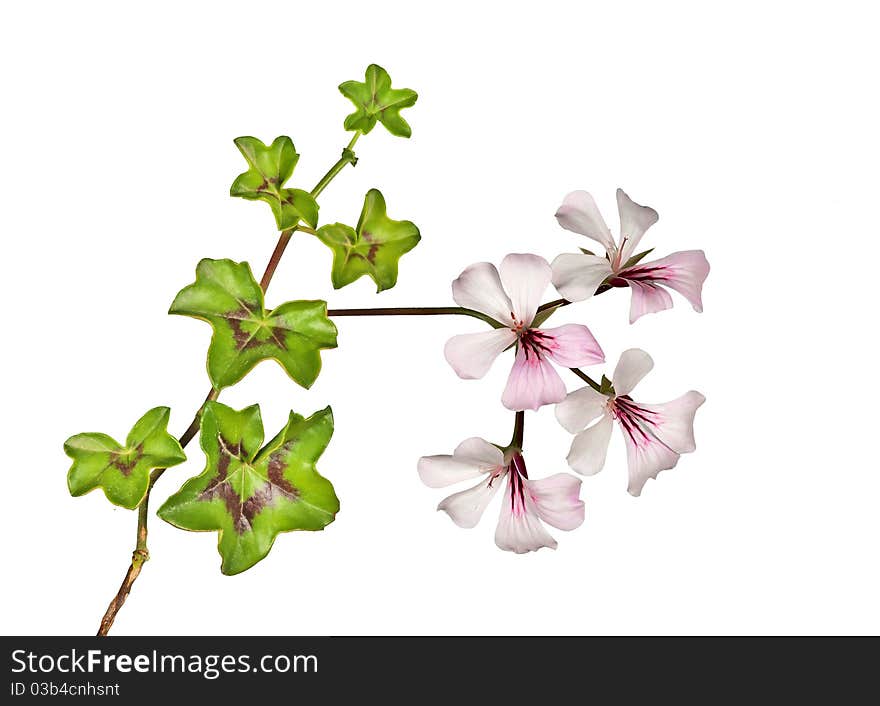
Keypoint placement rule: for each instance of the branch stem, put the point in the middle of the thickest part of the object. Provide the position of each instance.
(518, 430)
(141, 555)
(587, 379)
(417, 311)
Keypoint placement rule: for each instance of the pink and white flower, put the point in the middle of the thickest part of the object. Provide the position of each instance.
(655, 434)
(554, 500)
(511, 297)
(578, 275)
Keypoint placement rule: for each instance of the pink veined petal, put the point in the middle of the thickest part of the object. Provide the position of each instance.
(576, 276)
(579, 408)
(579, 214)
(471, 458)
(572, 346)
(632, 366)
(467, 507)
(533, 382)
(646, 456)
(647, 298)
(634, 221)
(684, 271)
(673, 422)
(479, 288)
(557, 500)
(519, 529)
(472, 354)
(590, 448)
(525, 278)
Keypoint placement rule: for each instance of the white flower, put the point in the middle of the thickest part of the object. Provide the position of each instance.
(655, 434)
(526, 504)
(578, 275)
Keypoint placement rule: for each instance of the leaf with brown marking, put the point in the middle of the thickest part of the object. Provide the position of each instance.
(373, 249)
(123, 472)
(251, 494)
(226, 295)
(374, 99)
(269, 168)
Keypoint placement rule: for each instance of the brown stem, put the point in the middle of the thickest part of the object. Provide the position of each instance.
(280, 247)
(140, 554)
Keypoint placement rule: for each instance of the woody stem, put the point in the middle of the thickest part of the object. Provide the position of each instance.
(141, 554)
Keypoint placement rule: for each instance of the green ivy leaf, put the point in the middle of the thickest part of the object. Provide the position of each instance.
(226, 295)
(123, 472)
(270, 168)
(376, 100)
(251, 494)
(373, 249)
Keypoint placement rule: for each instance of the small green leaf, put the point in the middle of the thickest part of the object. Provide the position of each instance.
(123, 472)
(373, 249)
(270, 168)
(635, 259)
(606, 387)
(249, 494)
(376, 100)
(226, 295)
(586, 252)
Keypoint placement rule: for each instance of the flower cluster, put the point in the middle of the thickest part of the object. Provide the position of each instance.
(655, 435)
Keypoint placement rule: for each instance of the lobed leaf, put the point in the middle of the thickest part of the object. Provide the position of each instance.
(226, 295)
(123, 471)
(269, 168)
(251, 494)
(373, 249)
(374, 99)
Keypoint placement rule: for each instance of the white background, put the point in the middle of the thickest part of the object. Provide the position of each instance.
(751, 128)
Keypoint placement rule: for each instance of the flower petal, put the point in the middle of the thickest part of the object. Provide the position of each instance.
(479, 288)
(572, 346)
(479, 451)
(632, 366)
(634, 221)
(557, 500)
(576, 276)
(519, 528)
(467, 507)
(525, 278)
(647, 298)
(590, 447)
(646, 456)
(673, 422)
(472, 354)
(472, 458)
(579, 214)
(442, 470)
(533, 382)
(579, 408)
(684, 271)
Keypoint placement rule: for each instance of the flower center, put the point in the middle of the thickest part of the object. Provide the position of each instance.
(615, 262)
(518, 473)
(636, 422)
(533, 342)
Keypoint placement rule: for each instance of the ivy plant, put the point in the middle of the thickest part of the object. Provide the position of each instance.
(251, 491)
